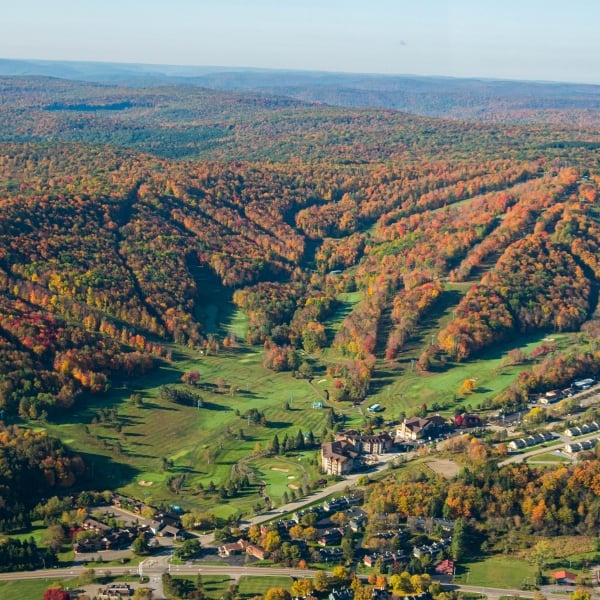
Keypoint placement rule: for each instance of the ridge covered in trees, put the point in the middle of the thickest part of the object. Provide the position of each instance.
(119, 204)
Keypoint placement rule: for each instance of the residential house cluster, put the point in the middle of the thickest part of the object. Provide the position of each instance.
(531, 440)
(341, 503)
(385, 558)
(103, 537)
(106, 537)
(574, 447)
(332, 555)
(428, 524)
(582, 429)
(432, 549)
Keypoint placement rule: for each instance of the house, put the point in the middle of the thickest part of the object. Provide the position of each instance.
(584, 384)
(574, 447)
(96, 526)
(331, 554)
(341, 594)
(564, 577)
(338, 457)
(154, 525)
(467, 420)
(446, 567)
(551, 397)
(416, 428)
(331, 537)
(243, 546)
(227, 550)
(386, 558)
(256, 551)
(171, 531)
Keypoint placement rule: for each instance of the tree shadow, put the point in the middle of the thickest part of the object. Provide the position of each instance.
(105, 473)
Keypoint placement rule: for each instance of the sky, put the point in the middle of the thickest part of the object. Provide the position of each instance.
(549, 40)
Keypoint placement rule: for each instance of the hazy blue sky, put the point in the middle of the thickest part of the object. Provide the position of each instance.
(521, 39)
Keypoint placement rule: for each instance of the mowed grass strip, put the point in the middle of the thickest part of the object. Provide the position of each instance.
(203, 444)
(25, 589)
(408, 389)
(258, 585)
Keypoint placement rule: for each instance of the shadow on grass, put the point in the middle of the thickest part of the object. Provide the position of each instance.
(106, 473)
(217, 407)
(279, 424)
(154, 406)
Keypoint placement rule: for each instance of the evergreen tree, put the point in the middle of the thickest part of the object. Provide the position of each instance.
(275, 445)
(457, 549)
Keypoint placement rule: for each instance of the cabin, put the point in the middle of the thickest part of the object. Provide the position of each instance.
(564, 577)
(446, 567)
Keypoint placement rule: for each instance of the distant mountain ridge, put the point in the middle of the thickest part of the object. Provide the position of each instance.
(446, 97)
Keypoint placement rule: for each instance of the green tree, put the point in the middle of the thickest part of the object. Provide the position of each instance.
(54, 537)
(457, 549)
(275, 446)
(277, 593)
(321, 581)
(188, 549)
(341, 574)
(302, 588)
(272, 541)
(347, 546)
(580, 594)
(541, 554)
(140, 545)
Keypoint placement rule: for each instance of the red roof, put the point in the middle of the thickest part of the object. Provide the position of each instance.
(446, 566)
(564, 575)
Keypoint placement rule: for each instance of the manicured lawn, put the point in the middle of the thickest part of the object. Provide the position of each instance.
(496, 571)
(284, 475)
(37, 532)
(549, 457)
(214, 585)
(258, 585)
(28, 589)
(402, 389)
(203, 444)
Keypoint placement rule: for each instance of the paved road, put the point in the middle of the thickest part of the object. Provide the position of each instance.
(234, 573)
(340, 486)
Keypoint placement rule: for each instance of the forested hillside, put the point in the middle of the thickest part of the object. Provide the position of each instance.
(108, 236)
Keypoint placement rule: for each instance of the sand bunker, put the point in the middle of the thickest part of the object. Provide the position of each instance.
(291, 477)
(145, 483)
(280, 469)
(293, 486)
